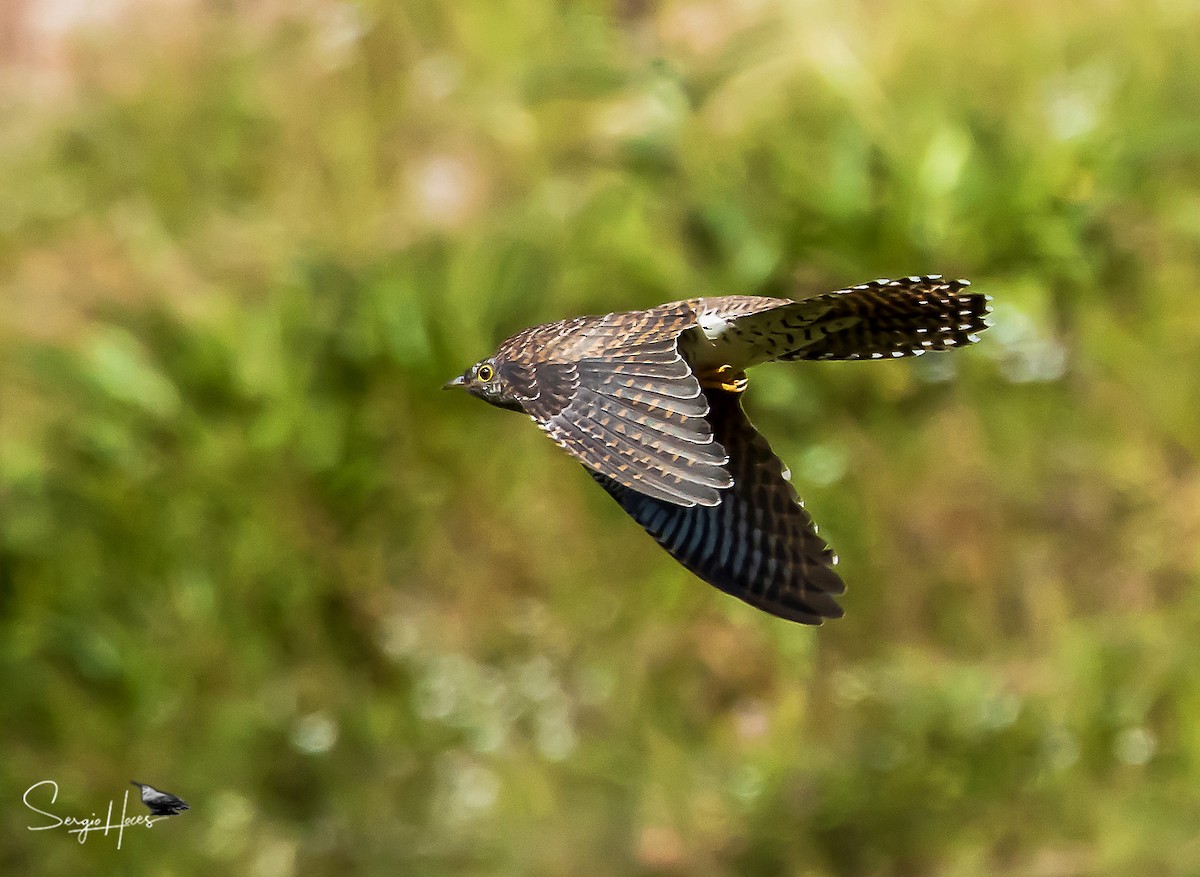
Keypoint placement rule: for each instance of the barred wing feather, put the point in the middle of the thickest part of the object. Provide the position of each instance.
(758, 543)
(632, 411)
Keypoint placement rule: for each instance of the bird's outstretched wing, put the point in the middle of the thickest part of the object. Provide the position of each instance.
(758, 543)
(616, 393)
(876, 320)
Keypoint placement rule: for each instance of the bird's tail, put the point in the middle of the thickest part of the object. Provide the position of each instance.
(883, 318)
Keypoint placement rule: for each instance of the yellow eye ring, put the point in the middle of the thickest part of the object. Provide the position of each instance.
(485, 373)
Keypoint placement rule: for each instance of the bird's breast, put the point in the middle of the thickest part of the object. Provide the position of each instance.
(716, 342)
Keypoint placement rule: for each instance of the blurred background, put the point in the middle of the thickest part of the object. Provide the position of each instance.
(250, 553)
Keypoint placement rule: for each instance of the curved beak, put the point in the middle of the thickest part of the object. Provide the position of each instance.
(457, 382)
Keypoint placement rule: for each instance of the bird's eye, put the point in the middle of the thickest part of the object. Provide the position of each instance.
(485, 373)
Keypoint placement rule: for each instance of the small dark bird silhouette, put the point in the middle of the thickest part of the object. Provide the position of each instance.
(650, 402)
(161, 803)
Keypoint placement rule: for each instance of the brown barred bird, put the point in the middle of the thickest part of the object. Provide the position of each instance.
(650, 402)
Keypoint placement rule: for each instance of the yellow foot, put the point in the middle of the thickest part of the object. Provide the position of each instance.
(724, 378)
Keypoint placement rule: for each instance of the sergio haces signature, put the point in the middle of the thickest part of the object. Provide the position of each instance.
(83, 827)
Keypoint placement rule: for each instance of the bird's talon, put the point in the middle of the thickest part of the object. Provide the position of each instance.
(724, 378)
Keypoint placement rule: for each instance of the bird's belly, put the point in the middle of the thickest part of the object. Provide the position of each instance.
(710, 347)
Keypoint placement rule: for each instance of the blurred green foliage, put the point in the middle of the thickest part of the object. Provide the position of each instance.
(250, 553)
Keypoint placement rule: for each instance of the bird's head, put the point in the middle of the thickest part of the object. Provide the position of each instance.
(486, 380)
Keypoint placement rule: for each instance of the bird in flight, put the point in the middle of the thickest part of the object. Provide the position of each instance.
(650, 402)
(161, 803)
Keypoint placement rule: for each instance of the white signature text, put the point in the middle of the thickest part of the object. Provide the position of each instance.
(82, 827)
